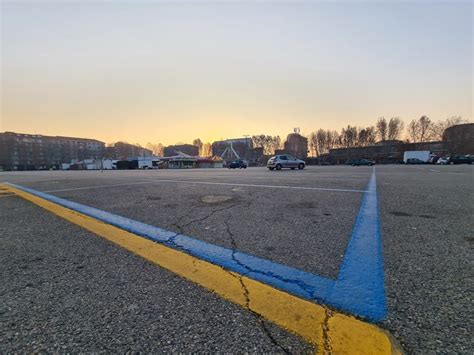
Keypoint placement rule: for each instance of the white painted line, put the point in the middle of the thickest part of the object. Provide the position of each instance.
(148, 181)
(99, 186)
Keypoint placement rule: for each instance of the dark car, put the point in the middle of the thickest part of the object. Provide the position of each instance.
(415, 161)
(460, 159)
(359, 162)
(238, 164)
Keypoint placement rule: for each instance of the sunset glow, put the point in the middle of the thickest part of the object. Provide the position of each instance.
(171, 72)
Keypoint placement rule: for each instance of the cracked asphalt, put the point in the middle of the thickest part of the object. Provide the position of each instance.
(65, 289)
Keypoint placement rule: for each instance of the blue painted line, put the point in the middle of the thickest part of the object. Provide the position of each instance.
(361, 276)
(297, 282)
(359, 288)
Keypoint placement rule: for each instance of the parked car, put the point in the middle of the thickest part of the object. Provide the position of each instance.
(460, 159)
(359, 162)
(414, 161)
(238, 164)
(433, 159)
(279, 162)
(443, 161)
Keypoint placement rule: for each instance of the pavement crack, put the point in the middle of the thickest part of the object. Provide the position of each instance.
(246, 294)
(306, 288)
(180, 227)
(209, 215)
(327, 349)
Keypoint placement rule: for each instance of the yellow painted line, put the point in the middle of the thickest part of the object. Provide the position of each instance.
(329, 332)
(5, 193)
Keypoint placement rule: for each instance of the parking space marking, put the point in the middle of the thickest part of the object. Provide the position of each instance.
(362, 296)
(154, 181)
(361, 276)
(98, 186)
(328, 331)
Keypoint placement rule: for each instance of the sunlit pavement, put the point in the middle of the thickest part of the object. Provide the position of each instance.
(62, 293)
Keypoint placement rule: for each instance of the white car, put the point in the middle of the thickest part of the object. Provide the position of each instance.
(279, 162)
(443, 160)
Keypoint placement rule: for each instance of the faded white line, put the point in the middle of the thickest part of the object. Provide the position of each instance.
(148, 181)
(100, 186)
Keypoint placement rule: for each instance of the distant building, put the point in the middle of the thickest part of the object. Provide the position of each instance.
(460, 138)
(209, 163)
(296, 145)
(181, 149)
(182, 163)
(123, 151)
(389, 142)
(19, 151)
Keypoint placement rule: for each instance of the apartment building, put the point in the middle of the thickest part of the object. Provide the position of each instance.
(20, 151)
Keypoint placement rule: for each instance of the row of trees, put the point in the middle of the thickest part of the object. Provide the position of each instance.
(321, 141)
(419, 130)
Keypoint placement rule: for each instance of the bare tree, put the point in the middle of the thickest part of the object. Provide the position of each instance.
(206, 150)
(332, 140)
(437, 129)
(313, 144)
(413, 131)
(395, 128)
(425, 124)
(321, 141)
(157, 149)
(274, 144)
(371, 135)
(366, 136)
(198, 143)
(348, 136)
(382, 128)
(268, 143)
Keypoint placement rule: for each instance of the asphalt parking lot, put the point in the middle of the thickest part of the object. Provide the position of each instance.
(66, 289)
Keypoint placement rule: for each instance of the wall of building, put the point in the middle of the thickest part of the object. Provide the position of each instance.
(460, 139)
(296, 145)
(123, 151)
(187, 149)
(32, 152)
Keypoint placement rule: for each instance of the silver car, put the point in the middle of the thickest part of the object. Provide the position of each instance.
(279, 162)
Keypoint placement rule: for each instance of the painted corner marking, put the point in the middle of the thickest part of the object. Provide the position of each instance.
(324, 329)
(359, 288)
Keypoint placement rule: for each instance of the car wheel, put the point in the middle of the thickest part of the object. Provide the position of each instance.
(451, 163)
(301, 166)
(278, 167)
(271, 168)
